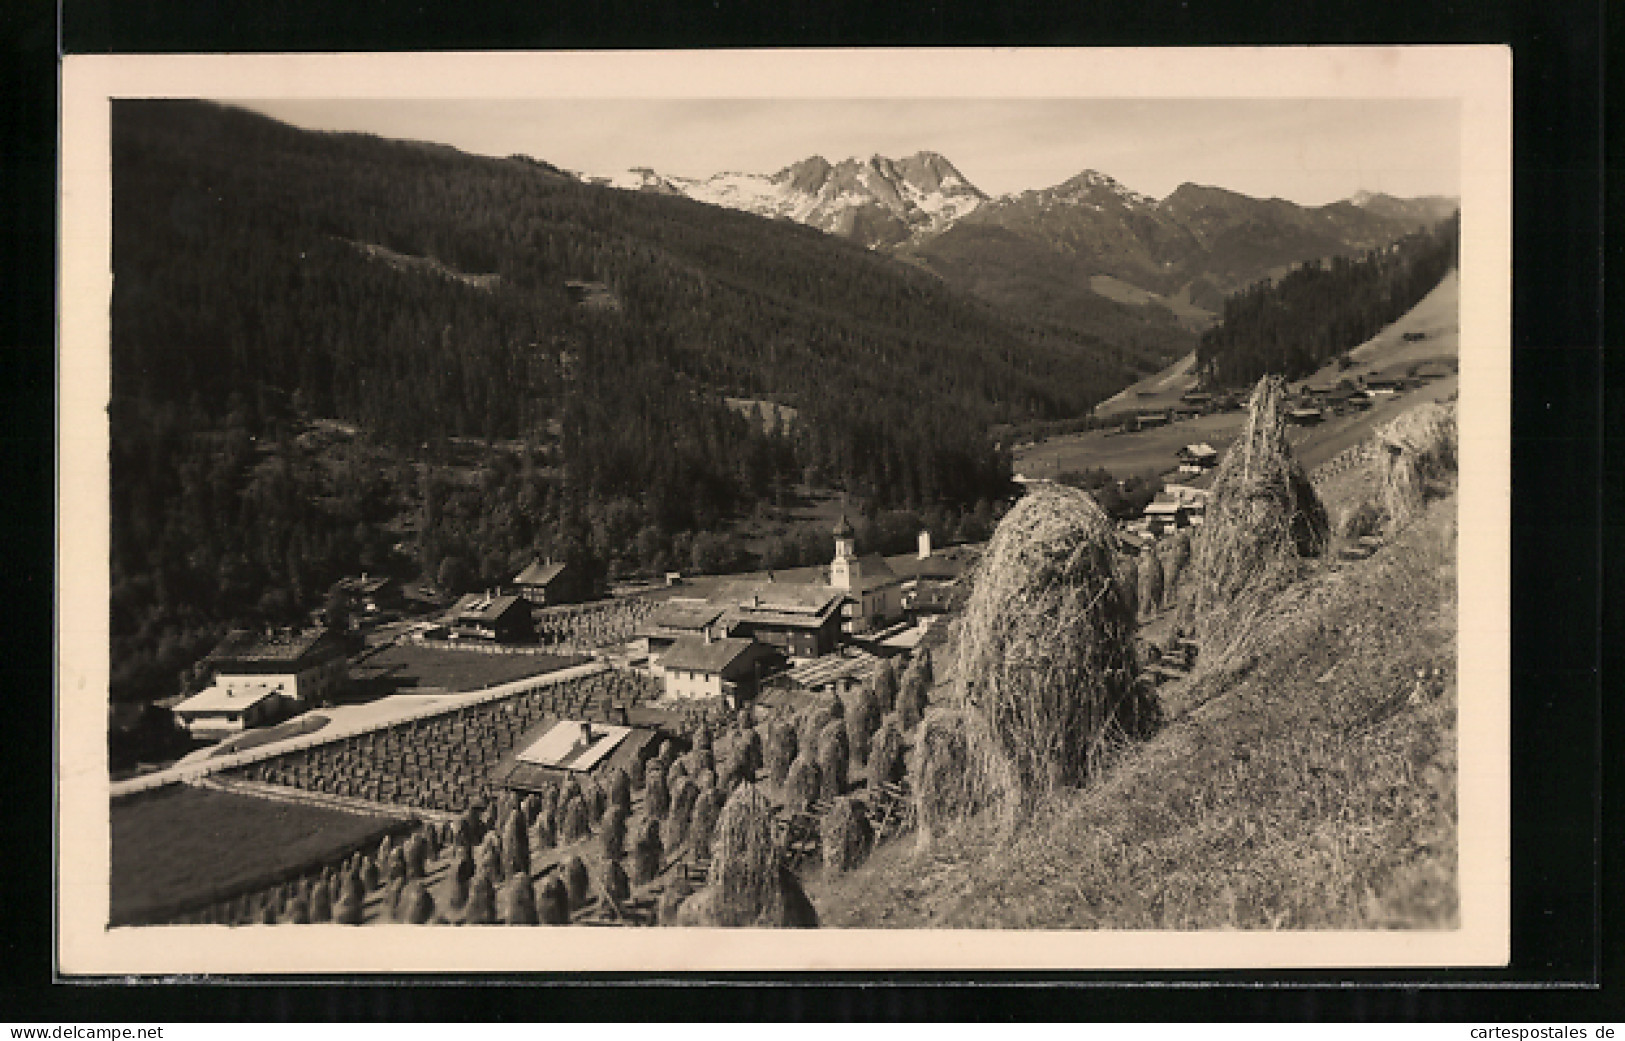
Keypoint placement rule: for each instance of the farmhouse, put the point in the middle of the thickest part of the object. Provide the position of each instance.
(702, 667)
(259, 675)
(370, 593)
(801, 620)
(675, 619)
(544, 583)
(493, 619)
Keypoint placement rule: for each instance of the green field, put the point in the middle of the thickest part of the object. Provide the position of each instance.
(179, 847)
(409, 665)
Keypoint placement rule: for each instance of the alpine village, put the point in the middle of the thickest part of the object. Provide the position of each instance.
(844, 546)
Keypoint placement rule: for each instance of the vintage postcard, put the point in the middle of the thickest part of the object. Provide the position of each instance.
(764, 510)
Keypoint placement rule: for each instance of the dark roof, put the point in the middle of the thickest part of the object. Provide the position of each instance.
(537, 573)
(794, 604)
(364, 585)
(478, 607)
(685, 614)
(275, 645)
(697, 654)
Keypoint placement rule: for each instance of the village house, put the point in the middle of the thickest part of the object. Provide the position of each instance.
(675, 619)
(800, 619)
(703, 667)
(544, 583)
(369, 593)
(491, 618)
(257, 677)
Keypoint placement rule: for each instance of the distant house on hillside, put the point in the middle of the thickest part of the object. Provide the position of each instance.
(1305, 416)
(259, 675)
(493, 619)
(370, 593)
(1198, 458)
(544, 583)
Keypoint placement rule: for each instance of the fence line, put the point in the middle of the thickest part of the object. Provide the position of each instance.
(195, 771)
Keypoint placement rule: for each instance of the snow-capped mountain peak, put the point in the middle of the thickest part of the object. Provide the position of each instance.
(877, 200)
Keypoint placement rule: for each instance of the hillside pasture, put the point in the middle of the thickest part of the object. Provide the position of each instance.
(180, 847)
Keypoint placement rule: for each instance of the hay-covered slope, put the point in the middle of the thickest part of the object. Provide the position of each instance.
(1315, 789)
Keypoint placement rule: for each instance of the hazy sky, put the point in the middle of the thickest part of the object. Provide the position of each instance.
(1309, 151)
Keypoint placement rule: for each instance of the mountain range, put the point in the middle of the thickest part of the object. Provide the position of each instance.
(1072, 255)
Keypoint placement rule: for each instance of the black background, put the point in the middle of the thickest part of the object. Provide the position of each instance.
(1564, 518)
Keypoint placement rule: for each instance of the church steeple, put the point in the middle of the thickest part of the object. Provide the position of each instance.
(844, 570)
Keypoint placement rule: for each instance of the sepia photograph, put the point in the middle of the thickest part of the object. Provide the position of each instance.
(812, 510)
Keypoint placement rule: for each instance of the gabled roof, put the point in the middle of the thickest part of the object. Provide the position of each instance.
(228, 696)
(696, 654)
(478, 607)
(275, 645)
(537, 573)
(684, 614)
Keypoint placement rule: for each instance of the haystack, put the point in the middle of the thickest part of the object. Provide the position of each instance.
(574, 871)
(944, 790)
(834, 755)
(702, 826)
(748, 884)
(1417, 459)
(780, 751)
(481, 908)
(516, 902)
(1149, 582)
(415, 906)
(1262, 516)
(552, 901)
(845, 835)
(863, 714)
(1046, 648)
(803, 783)
(886, 757)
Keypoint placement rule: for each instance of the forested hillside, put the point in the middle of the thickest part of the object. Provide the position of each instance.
(1295, 324)
(266, 277)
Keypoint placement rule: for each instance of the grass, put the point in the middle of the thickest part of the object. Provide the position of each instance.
(179, 847)
(410, 665)
(1313, 787)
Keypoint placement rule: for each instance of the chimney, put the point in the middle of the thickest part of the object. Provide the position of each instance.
(925, 544)
(708, 637)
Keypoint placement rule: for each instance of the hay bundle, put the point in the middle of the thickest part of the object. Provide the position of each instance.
(516, 902)
(676, 770)
(552, 901)
(615, 884)
(780, 752)
(748, 745)
(1149, 582)
(574, 871)
(395, 866)
(268, 913)
(1262, 515)
(748, 884)
(862, 720)
(913, 692)
(530, 806)
(656, 796)
(481, 908)
(350, 889)
(682, 805)
(635, 773)
(1417, 459)
(1127, 573)
(706, 779)
(415, 906)
(612, 837)
(802, 784)
(702, 824)
(884, 684)
(944, 791)
(620, 791)
(886, 757)
(845, 835)
(597, 801)
(298, 911)
(321, 906)
(814, 719)
(834, 754)
(735, 769)
(647, 853)
(703, 739)
(1046, 646)
(573, 825)
(348, 912)
(541, 834)
(669, 910)
(515, 846)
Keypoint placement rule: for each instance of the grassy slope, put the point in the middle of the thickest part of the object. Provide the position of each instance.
(177, 847)
(1311, 790)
